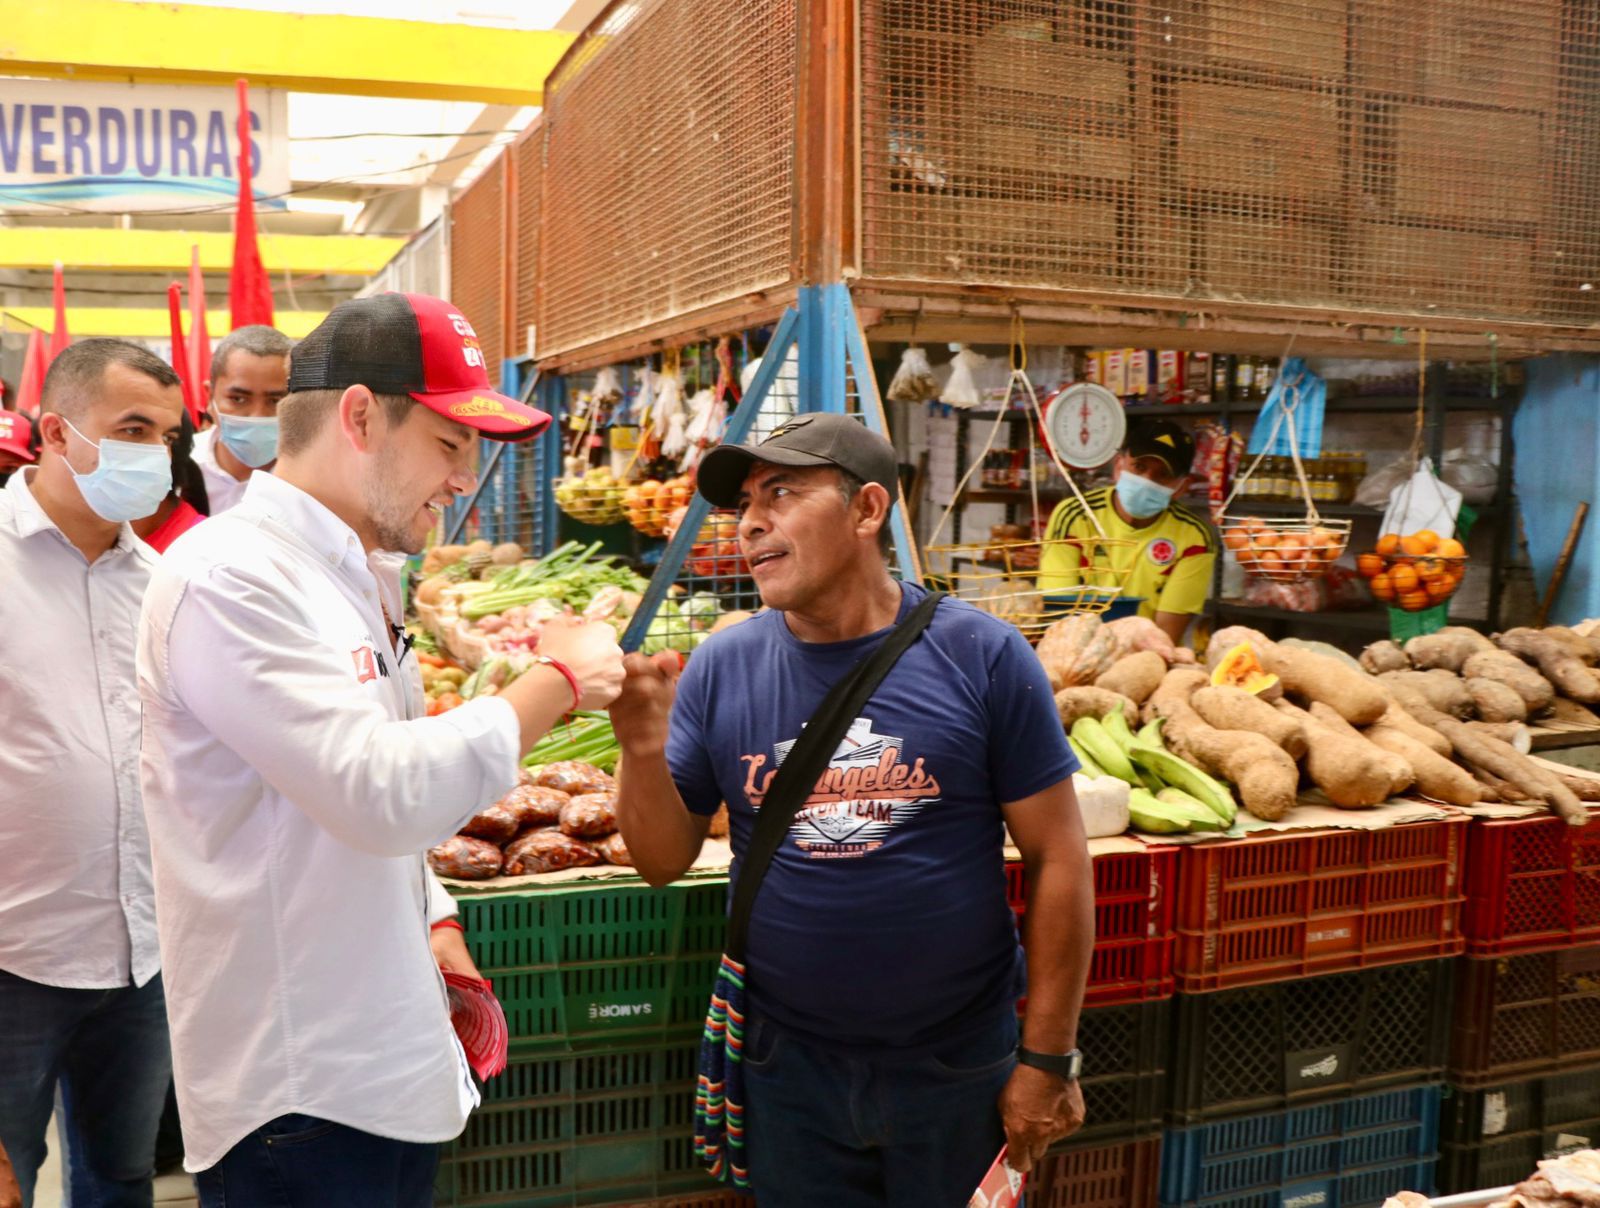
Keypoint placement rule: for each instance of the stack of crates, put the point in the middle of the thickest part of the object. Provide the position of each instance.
(1125, 1035)
(1314, 976)
(1524, 1073)
(604, 988)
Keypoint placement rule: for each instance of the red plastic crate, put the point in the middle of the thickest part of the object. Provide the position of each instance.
(1135, 897)
(1274, 906)
(1110, 1176)
(1532, 884)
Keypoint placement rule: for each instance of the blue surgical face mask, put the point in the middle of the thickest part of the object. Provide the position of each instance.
(129, 483)
(1141, 498)
(252, 441)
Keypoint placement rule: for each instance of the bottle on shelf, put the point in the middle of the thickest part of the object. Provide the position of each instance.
(1222, 378)
(1197, 377)
(1244, 379)
(1266, 374)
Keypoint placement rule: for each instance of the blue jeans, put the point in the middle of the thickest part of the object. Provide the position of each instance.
(868, 1132)
(302, 1162)
(109, 1050)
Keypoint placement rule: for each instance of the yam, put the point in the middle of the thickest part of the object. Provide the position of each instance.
(1384, 656)
(1358, 697)
(1135, 676)
(1447, 649)
(1437, 776)
(1494, 701)
(1401, 774)
(1326, 649)
(1510, 733)
(1096, 702)
(1443, 690)
(1556, 663)
(1226, 708)
(1134, 634)
(1580, 647)
(1075, 651)
(1536, 691)
(1397, 718)
(1348, 770)
(1262, 772)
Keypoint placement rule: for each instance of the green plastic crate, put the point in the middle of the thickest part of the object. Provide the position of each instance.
(614, 1127)
(576, 966)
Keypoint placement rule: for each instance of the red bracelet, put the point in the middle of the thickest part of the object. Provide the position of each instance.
(448, 923)
(572, 680)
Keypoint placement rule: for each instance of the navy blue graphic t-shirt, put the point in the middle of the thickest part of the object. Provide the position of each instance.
(883, 920)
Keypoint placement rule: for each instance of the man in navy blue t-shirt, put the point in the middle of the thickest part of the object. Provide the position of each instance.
(883, 969)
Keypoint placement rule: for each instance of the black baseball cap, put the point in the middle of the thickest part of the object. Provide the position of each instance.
(817, 439)
(1163, 439)
(413, 344)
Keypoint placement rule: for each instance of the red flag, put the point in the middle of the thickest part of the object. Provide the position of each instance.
(59, 338)
(249, 290)
(199, 349)
(35, 362)
(180, 359)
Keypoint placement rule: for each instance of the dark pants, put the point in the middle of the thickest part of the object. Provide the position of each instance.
(854, 1132)
(303, 1162)
(109, 1050)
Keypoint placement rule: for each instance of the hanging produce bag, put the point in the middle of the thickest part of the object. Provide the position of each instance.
(1301, 397)
(914, 381)
(1424, 502)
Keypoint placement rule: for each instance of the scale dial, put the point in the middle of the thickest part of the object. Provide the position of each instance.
(1085, 425)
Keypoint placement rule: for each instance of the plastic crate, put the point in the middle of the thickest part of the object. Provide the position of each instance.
(612, 1127)
(1533, 884)
(1276, 906)
(1266, 1159)
(1495, 1136)
(1525, 1016)
(1267, 1048)
(1105, 1176)
(1135, 897)
(576, 966)
(1124, 1081)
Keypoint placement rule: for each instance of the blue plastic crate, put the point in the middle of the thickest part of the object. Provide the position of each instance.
(1340, 1146)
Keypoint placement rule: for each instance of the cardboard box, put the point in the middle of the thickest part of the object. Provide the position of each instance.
(1506, 55)
(1303, 36)
(1459, 165)
(1412, 269)
(1267, 257)
(1262, 142)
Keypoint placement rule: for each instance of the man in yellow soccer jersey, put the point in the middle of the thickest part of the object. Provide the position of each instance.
(1172, 550)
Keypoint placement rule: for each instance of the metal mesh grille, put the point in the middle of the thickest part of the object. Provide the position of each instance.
(527, 162)
(1360, 155)
(669, 167)
(477, 259)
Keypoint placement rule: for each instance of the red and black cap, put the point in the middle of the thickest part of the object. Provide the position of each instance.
(814, 439)
(411, 344)
(16, 436)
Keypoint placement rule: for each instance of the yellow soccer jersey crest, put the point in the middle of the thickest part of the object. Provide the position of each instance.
(1171, 560)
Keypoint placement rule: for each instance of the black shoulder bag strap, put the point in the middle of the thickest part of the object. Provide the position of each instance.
(797, 777)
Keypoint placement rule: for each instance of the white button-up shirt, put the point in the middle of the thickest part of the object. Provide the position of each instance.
(292, 784)
(223, 490)
(76, 906)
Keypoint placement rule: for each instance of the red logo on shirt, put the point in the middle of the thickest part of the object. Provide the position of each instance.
(366, 664)
(1161, 551)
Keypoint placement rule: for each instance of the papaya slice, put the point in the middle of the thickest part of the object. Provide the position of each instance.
(1241, 668)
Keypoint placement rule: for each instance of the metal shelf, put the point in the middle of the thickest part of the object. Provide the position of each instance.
(1353, 405)
(1367, 620)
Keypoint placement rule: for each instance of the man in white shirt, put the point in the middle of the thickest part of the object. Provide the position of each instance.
(249, 377)
(80, 992)
(292, 781)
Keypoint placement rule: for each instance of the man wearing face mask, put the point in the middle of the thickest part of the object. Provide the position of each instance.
(1173, 550)
(249, 375)
(81, 998)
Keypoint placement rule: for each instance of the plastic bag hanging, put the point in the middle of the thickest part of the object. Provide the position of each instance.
(962, 389)
(607, 391)
(779, 405)
(914, 380)
(1300, 395)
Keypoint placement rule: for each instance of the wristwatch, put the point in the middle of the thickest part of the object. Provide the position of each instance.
(1067, 1065)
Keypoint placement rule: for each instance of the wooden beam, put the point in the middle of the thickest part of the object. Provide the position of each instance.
(140, 323)
(306, 52)
(104, 249)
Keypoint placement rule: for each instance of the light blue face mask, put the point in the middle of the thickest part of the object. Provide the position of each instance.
(129, 483)
(252, 441)
(1141, 498)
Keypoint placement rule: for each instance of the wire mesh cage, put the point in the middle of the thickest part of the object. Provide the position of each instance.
(1002, 578)
(478, 265)
(1366, 155)
(669, 166)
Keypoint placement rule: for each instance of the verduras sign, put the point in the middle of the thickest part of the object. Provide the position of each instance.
(125, 147)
